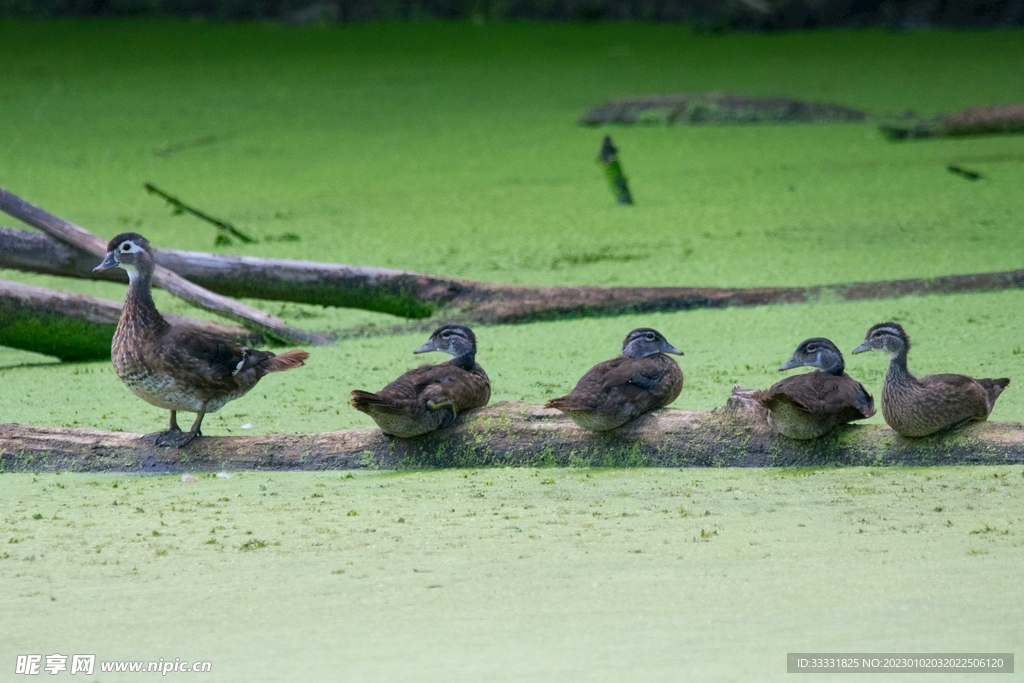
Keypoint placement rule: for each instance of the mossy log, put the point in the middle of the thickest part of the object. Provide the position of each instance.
(385, 290)
(984, 120)
(692, 109)
(517, 434)
(76, 327)
(414, 295)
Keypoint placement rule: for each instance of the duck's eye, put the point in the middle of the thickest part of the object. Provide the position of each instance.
(650, 337)
(812, 348)
(446, 334)
(126, 247)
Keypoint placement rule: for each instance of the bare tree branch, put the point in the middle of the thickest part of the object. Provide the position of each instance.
(181, 207)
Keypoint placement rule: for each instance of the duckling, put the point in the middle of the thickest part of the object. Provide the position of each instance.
(919, 407)
(616, 391)
(813, 404)
(430, 397)
(176, 368)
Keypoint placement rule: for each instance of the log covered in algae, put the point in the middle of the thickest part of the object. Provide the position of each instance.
(385, 290)
(1007, 119)
(415, 295)
(76, 327)
(692, 109)
(518, 434)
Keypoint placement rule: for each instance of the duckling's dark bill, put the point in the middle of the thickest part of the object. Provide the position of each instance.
(109, 261)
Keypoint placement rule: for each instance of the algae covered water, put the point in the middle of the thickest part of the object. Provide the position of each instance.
(530, 574)
(452, 148)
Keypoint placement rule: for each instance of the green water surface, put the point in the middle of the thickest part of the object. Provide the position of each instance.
(453, 149)
(512, 575)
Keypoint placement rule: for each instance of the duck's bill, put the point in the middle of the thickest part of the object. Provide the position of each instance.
(862, 348)
(109, 262)
(426, 348)
(790, 364)
(668, 348)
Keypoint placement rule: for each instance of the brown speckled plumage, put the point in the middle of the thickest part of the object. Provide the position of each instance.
(178, 369)
(430, 397)
(616, 391)
(915, 406)
(813, 404)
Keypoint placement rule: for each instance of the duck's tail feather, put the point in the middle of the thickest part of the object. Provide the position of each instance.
(365, 401)
(993, 388)
(285, 361)
(562, 404)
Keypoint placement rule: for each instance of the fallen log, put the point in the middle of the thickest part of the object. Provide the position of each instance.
(413, 295)
(164, 278)
(517, 434)
(76, 327)
(524, 304)
(692, 109)
(984, 120)
(385, 290)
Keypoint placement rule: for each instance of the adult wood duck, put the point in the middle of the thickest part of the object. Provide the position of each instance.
(616, 391)
(430, 397)
(178, 368)
(813, 404)
(920, 406)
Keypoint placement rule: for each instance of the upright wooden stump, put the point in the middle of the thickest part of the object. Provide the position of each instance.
(609, 160)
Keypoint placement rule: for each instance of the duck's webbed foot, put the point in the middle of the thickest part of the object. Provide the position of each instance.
(156, 436)
(159, 437)
(171, 438)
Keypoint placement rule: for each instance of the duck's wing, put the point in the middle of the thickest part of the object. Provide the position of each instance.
(796, 390)
(447, 385)
(590, 391)
(644, 383)
(208, 360)
(401, 396)
(655, 381)
(821, 393)
(859, 397)
(954, 395)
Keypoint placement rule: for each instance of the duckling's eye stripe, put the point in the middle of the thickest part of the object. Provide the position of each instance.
(887, 330)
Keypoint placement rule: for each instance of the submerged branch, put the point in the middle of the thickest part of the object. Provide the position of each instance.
(181, 207)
